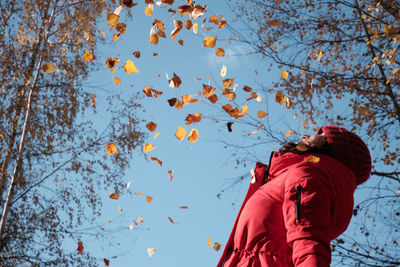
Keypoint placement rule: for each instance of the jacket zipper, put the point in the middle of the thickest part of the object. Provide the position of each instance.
(298, 200)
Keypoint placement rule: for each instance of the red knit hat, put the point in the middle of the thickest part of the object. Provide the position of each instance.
(349, 149)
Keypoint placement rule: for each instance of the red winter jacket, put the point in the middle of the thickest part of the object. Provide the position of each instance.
(291, 213)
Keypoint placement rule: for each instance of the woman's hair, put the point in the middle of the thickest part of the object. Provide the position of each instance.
(293, 147)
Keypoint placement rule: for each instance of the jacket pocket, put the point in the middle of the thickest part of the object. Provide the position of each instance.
(298, 203)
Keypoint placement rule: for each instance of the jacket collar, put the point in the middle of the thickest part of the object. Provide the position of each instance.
(281, 161)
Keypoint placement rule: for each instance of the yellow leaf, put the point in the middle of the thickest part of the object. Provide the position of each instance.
(193, 136)
(157, 134)
(149, 199)
(48, 67)
(112, 19)
(87, 56)
(148, 11)
(319, 55)
(313, 159)
(220, 52)
(243, 111)
(363, 16)
(284, 74)
(114, 196)
(209, 41)
(261, 114)
(129, 67)
(209, 242)
(288, 133)
(111, 148)
(180, 133)
(148, 147)
(116, 80)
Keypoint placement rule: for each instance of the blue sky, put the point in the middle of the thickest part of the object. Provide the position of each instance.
(200, 170)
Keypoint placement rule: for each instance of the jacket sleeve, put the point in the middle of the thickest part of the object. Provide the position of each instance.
(307, 213)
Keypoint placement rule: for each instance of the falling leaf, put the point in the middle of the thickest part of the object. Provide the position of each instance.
(178, 27)
(156, 160)
(184, 207)
(151, 251)
(180, 42)
(116, 80)
(148, 147)
(170, 175)
(228, 82)
(223, 71)
(136, 54)
(129, 3)
(229, 126)
(220, 52)
(172, 101)
(130, 67)
(171, 220)
(319, 56)
(148, 11)
(140, 220)
(155, 54)
(208, 90)
(288, 133)
(149, 92)
(280, 98)
(153, 39)
(114, 196)
(106, 262)
(112, 19)
(102, 33)
(284, 74)
(107, 222)
(261, 114)
(243, 112)
(112, 62)
(247, 88)
(149, 199)
(121, 28)
(229, 93)
(111, 148)
(194, 28)
(192, 118)
(87, 56)
(151, 126)
(193, 136)
(93, 100)
(159, 24)
(131, 226)
(301, 147)
(209, 242)
(175, 82)
(188, 24)
(288, 103)
(186, 99)
(258, 128)
(128, 185)
(48, 68)
(274, 23)
(139, 193)
(116, 36)
(80, 247)
(213, 98)
(217, 246)
(231, 111)
(209, 41)
(157, 134)
(180, 133)
(313, 159)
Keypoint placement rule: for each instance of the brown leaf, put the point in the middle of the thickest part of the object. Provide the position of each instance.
(188, 24)
(80, 247)
(153, 39)
(229, 126)
(129, 4)
(87, 56)
(155, 54)
(171, 220)
(186, 99)
(112, 62)
(178, 27)
(151, 126)
(167, 2)
(184, 207)
(208, 90)
(192, 118)
(156, 160)
(213, 98)
(136, 54)
(172, 101)
(231, 111)
(280, 97)
(116, 36)
(180, 42)
(151, 92)
(209, 41)
(193, 136)
(217, 246)
(175, 81)
(114, 196)
(229, 93)
(112, 19)
(247, 88)
(111, 148)
(170, 175)
(121, 28)
(48, 68)
(220, 52)
(228, 83)
(274, 23)
(106, 262)
(159, 24)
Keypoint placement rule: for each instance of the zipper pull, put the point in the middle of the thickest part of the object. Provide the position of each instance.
(298, 193)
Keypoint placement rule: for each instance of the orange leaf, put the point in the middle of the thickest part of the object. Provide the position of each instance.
(148, 147)
(301, 147)
(151, 126)
(170, 175)
(80, 247)
(114, 196)
(116, 36)
(159, 24)
(148, 11)
(209, 242)
(192, 118)
(288, 133)
(153, 39)
(228, 82)
(87, 56)
(243, 112)
(175, 81)
(93, 100)
(274, 23)
(171, 220)
(208, 90)
(116, 80)
(149, 199)
(220, 52)
(231, 111)
(261, 114)
(186, 99)
(156, 160)
(111, 148)
(178, 27)
(213, 98)
(209, 41)
(112, 19)
(139, 193)
(284, 74)
(288, 103)
(102, 33)
(229, 93)
(106, 262)
(48, 68)
(180, 133)
(184, 207)
(112, 62)
(193, 136)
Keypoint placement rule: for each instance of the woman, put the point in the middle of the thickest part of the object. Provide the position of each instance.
(299, 203)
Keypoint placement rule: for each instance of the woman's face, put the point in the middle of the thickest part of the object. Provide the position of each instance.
(317, 140)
